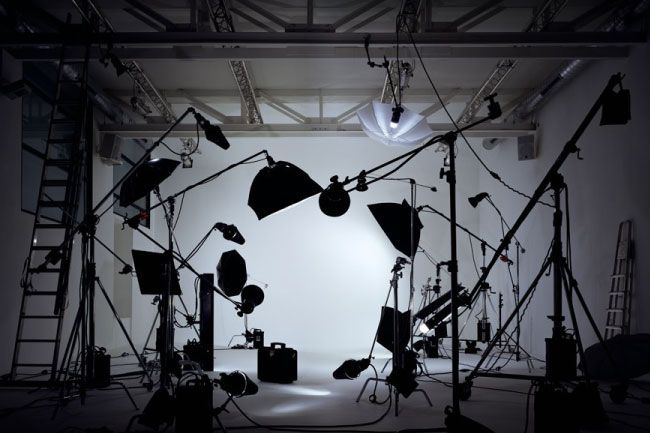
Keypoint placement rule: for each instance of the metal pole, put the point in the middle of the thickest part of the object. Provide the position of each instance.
(453, 265)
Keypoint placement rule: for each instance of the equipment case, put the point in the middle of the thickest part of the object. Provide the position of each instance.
(277, 363)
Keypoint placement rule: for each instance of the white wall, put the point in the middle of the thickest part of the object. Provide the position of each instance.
(608, 186)
(328, 277)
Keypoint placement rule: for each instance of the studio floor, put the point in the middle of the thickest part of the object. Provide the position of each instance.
(315, 400)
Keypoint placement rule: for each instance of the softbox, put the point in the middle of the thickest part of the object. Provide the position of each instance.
(385, 331)
(231, 273)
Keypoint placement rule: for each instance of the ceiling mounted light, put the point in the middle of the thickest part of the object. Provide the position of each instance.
(334, 201)
(395, 220)
(231, 273)
(145, 179)
(393, 126)
(212, 132)
(278, 186)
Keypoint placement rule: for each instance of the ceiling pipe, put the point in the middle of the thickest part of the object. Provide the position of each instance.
(534, 101)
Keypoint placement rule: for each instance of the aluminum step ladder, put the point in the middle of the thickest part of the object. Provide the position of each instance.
(620, 292)
(46, 269)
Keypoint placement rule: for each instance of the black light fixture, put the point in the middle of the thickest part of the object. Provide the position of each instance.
(186, 159)
(334, 201)
(237, 384)
(231, 273)
(397, 113)
(230, 233)
(475, 200)
(120, 68)
(212, 132)
(351, 369)
(251, 297)
(395, 220)
(279, 185)
(616, 107)
(145, 179)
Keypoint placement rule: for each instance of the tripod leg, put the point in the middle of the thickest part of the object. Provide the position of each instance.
(370, 379)
(426, 396)
(386, 364)
(128, 394)
(69, 347)
(576, 329)
(221, 426)
(498, 335)
(126, 334)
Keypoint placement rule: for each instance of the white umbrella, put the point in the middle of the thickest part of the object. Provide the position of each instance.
(411, 130)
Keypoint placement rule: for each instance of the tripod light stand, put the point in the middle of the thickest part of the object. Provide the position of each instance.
(336, 197)
(560, 350)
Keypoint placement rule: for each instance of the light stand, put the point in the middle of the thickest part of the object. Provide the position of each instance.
(84, 321)
(336, 191)
(560, 357)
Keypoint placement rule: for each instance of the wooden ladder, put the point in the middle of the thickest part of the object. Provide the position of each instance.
(620, 292)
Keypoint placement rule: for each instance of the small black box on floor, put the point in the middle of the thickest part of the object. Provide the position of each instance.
(561, 358)
(99, 368)
(194, 406)
(277, 363)
(555, 410)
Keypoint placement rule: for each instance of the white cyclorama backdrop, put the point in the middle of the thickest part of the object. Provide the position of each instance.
(327, 277)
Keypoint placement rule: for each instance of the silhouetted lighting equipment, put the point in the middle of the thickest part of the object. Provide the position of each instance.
(616, 107)
(393, 126)
(403, 378)
(351, 369)
(251, 297)
(334, 201)
(395, 220)
(279, 185)
(474, 201)
(212, 132)
(145, 179)
(394, 119)
(120, 68)
(230, 233)
(231, 273)
(237, 384)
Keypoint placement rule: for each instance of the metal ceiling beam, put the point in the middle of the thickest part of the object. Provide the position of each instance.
(181, 96)
(222, 21)
(92, 14)
(370, 19)
(445, 39)
(307, 130)
(540, 21)
(263, 12)
(194, 53)
(407, 23)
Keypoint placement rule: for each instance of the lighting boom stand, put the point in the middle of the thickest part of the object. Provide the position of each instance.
(560, 354)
